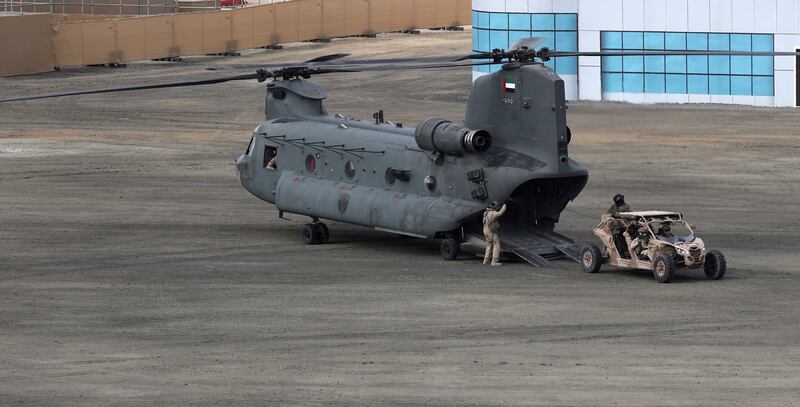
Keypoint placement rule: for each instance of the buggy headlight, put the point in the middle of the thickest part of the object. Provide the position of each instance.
(682, 251)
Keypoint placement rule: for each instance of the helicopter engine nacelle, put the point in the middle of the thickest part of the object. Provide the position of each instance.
(446, 137)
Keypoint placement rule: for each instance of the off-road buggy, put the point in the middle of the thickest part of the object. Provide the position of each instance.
(658, 241)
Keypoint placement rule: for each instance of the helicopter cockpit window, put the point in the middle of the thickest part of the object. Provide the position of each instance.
(250, 146)
(270, 158)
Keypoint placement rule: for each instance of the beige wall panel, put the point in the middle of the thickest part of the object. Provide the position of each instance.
(464, 12)
(242, 24)
(439, 13)
(309, 23)
(358, 17)
(67, 44)
(286, 16)
(334, 14)
(189, 33)
(216, 31)
(26, 44)
(158, 36)
(98, 42)
(131, 39)
(262, 25)
(401, 16)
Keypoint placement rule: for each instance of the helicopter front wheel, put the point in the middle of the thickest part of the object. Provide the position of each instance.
(450, 248)
(315, 233)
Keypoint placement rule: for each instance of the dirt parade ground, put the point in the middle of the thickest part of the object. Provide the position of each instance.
(135, 270)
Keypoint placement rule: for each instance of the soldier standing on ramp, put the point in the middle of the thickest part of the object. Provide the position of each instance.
(490, 228)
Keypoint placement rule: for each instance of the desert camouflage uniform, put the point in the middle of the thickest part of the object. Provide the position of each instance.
(492, 239)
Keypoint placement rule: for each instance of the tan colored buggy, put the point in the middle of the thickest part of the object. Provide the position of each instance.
(658, 241)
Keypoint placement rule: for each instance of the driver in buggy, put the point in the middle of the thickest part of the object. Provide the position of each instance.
(665, 231)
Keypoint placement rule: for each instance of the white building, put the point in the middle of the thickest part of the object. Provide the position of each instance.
(643, 25)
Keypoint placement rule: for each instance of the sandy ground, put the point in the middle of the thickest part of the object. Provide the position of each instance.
(134, 270)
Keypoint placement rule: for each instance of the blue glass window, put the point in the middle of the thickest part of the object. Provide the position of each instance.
(719, 64)
(498, 21)
(655, 83)
(719, 84)
(654, 64)
(611, 40)
(719, 42)
(567, 22)
(675, 41)
(741, 65)
(676, 63)
(763, 86)
(697, 42)
(498, 39)
(697, 84)
(483, 19)
(633, 83)
(500, 30)
(692, 74)
(676, 84)
(544, 22)
(519, 22)
(697, 64)
(612, 82)
(633, 40)
(654, 41)
(566, 41)
(741, 85)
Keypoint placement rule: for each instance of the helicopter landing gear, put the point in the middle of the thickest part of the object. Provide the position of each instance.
(316, 233)
(450, 249)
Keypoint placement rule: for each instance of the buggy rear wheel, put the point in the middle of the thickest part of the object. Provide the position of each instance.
(715, 265)
(591, 258)
(664, 268)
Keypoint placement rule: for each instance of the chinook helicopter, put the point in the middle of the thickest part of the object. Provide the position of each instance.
(431, 181)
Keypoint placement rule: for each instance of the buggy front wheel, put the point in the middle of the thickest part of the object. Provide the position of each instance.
(591, 258)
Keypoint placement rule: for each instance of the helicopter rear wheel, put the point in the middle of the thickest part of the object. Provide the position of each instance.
(312, 234)
(450, 249)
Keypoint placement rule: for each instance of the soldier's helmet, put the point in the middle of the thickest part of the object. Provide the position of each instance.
(618, 198)
(493, 205)
(665, 227)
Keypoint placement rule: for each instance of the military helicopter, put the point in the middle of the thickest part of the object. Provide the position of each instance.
(431, 181)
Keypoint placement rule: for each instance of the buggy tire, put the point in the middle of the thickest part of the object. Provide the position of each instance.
(325, 233)
(312, 234)
(449, 249)
(715, 265)
(664, 268)
(591, 258)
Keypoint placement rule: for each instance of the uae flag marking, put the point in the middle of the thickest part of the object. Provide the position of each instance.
(509, 86)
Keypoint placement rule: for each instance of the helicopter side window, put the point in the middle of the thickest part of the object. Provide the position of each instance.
(270, 158)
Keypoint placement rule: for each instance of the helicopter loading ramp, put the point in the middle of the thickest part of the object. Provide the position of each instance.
(536, 245)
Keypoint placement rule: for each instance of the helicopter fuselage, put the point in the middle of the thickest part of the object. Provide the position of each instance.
(382, 176)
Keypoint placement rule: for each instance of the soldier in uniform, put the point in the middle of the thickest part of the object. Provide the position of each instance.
(619, 205)
(617, 225)
(491, 225)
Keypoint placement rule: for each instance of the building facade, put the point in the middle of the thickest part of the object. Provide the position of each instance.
(656, 25)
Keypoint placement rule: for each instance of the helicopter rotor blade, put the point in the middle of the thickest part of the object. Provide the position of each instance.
(529, 43)
(429, 59)
(259, 75)
(325, 58)
(555, 54)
